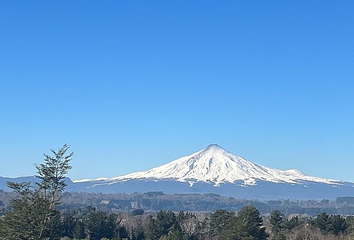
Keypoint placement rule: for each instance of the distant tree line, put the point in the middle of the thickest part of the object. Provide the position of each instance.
(155, 201)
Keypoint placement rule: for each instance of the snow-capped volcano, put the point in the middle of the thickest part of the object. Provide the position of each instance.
(215, 170)
(215, 165)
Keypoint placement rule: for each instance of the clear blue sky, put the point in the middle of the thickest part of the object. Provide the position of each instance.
(131, 85)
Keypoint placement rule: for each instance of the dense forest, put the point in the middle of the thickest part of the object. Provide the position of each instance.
(35, 220)
(40, 212)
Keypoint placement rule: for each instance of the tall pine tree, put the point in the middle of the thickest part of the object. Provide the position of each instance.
(33, 213)
(248, 225)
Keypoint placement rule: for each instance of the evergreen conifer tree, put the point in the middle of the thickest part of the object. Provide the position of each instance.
(34, 215)
(248, 225)
(277, 221)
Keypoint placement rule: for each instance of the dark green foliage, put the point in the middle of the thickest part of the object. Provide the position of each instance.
(166, 221)
(338, 224)
(165, 226)
(52, 173)
(33, 214)
(120, 232)
(323, 222)
(334, 224)
(23, 189)
(220, 220)
(139, 236)
(277, 222)
(68, 225)
(248, 225)
(289, 224)
(79, 229)
(137, 212)
(151, 231)
(30, 218)
(100, 225)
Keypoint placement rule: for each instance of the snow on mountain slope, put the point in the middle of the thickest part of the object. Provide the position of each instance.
(216, 166)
